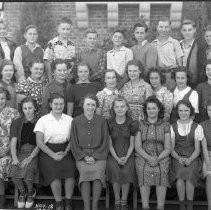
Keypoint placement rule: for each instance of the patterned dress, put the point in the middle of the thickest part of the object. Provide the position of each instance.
(136, 97)
(6, 117)
(166, 98)
(153, 139)
(106, 98)
(34, 89)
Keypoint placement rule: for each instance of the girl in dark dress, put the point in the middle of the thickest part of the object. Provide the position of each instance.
(24, 153)
(120, 165)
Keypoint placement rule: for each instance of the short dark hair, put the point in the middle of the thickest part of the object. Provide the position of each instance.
(90, 31)
(187, 103)
(155, 100)
(164, 19)
(188, 22)
(29, 27)
(26, 100)
(89, 96)
(141, 25)
(119, 30)
(110, 70)
(136, 63)
(54, 96)
(35, 61)
(158, 71)
(6, 62)
(65, 20)
(5, 92)
(182, 69)
(57, 62)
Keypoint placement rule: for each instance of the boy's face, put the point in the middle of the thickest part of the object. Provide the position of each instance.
(64, 30)
(3, 30)
(163, 28)
(91, 40)
(207, 37)
(31, 35)
(117, 39)
(140, 34)
(188, 31)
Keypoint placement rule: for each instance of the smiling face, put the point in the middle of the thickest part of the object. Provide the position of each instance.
(188, 31)
(163, 28)
(7, 72)
(207, 37)
(37, 71)
(91, 40)
(28, 109)
(152, 110)
(133, 72)
(31, 35)
(117, 39)
(140, 34)
(120, 108)
(184, 112)
(61, 72)
(110, 80)
(181, 79)
(83, 73)
(57, 105)
(89, 106)
(3, 30)
(155, 80)
(64, 30)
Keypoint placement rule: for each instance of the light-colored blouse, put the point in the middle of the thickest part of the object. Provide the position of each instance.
(55, 131)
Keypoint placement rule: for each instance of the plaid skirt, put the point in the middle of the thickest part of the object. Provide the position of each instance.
(29, 172)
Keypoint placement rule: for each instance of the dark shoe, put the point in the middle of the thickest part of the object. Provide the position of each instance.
(117, 207)
(182, 205)
(189, 205)
(2, 201)
(21, 201)
(68, 204)
(59, 205)
(30, 199)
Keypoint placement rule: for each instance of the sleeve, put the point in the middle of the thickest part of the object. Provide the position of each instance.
(13, 129)
(149, 91)
(167, 127)
(45, 98)
(17, 60)
(70, 94)
(134, 127)
(168, 103)
(77, 152)
(194, 101)
(129, 56)
(178, 49)
(22, 88)
(49, 53)
(109, 65)
(102, 152)
(199, 133)
(100, 98)
(40, 126)
(151, 57)
(172, 133)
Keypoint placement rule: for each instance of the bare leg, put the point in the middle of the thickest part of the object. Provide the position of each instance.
(161, 196)
(181, 189)
(56, 187)
(85, 192)
(96, 192)
(69, 187)
(125, 191)
(116, 188)
(208, 190)
(145, 193)
(189, 191)
(20, 185)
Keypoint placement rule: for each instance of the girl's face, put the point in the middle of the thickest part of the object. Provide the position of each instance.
(120, 108)
(152, 110)
(64, 30)
(2, 100)
(83, 73)
(140, 34)
(209, 111)
(3, 30)
(31, 35)
(207, 37)
(89, 106)
(133, 72)
(28, 109)
(61, 71)
(7, 72)
(184, 112)
(117, 39)
(181, 79)
(91, 40)
(57, 105)
(188, 31)
(110, 80)
(37, 70)
(155, 81)
(208, 71)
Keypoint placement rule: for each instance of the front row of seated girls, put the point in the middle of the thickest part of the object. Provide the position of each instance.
(121, 151)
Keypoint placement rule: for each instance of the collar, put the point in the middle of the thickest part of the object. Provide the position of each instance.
(182, 42)
(186, 89)
(146, 122)
(6, 84)
(59, 83)
(36, 45)
(31, 121)
(69, 42)
(84, 120)
(170, 39)
(143, 43)
(123, 48)
(52, 117)
(31, 80)
(110, 92)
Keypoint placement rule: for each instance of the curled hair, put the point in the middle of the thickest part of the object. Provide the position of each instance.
(119, 30)
(57, 62)
(153, 99)
(158, 71)
(26, 100)
(29, 27)
(33, 61)
(90, 31)
(141, 25)
(89, 96)
(188, 104)
(6, 62)
(188, 22)
(5, 92)
(208, 28)
(182, 69)
(138, 64)
(110, 70)
(54, 96)
(120, 98)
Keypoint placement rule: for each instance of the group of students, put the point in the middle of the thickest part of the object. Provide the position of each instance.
(106, 116)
